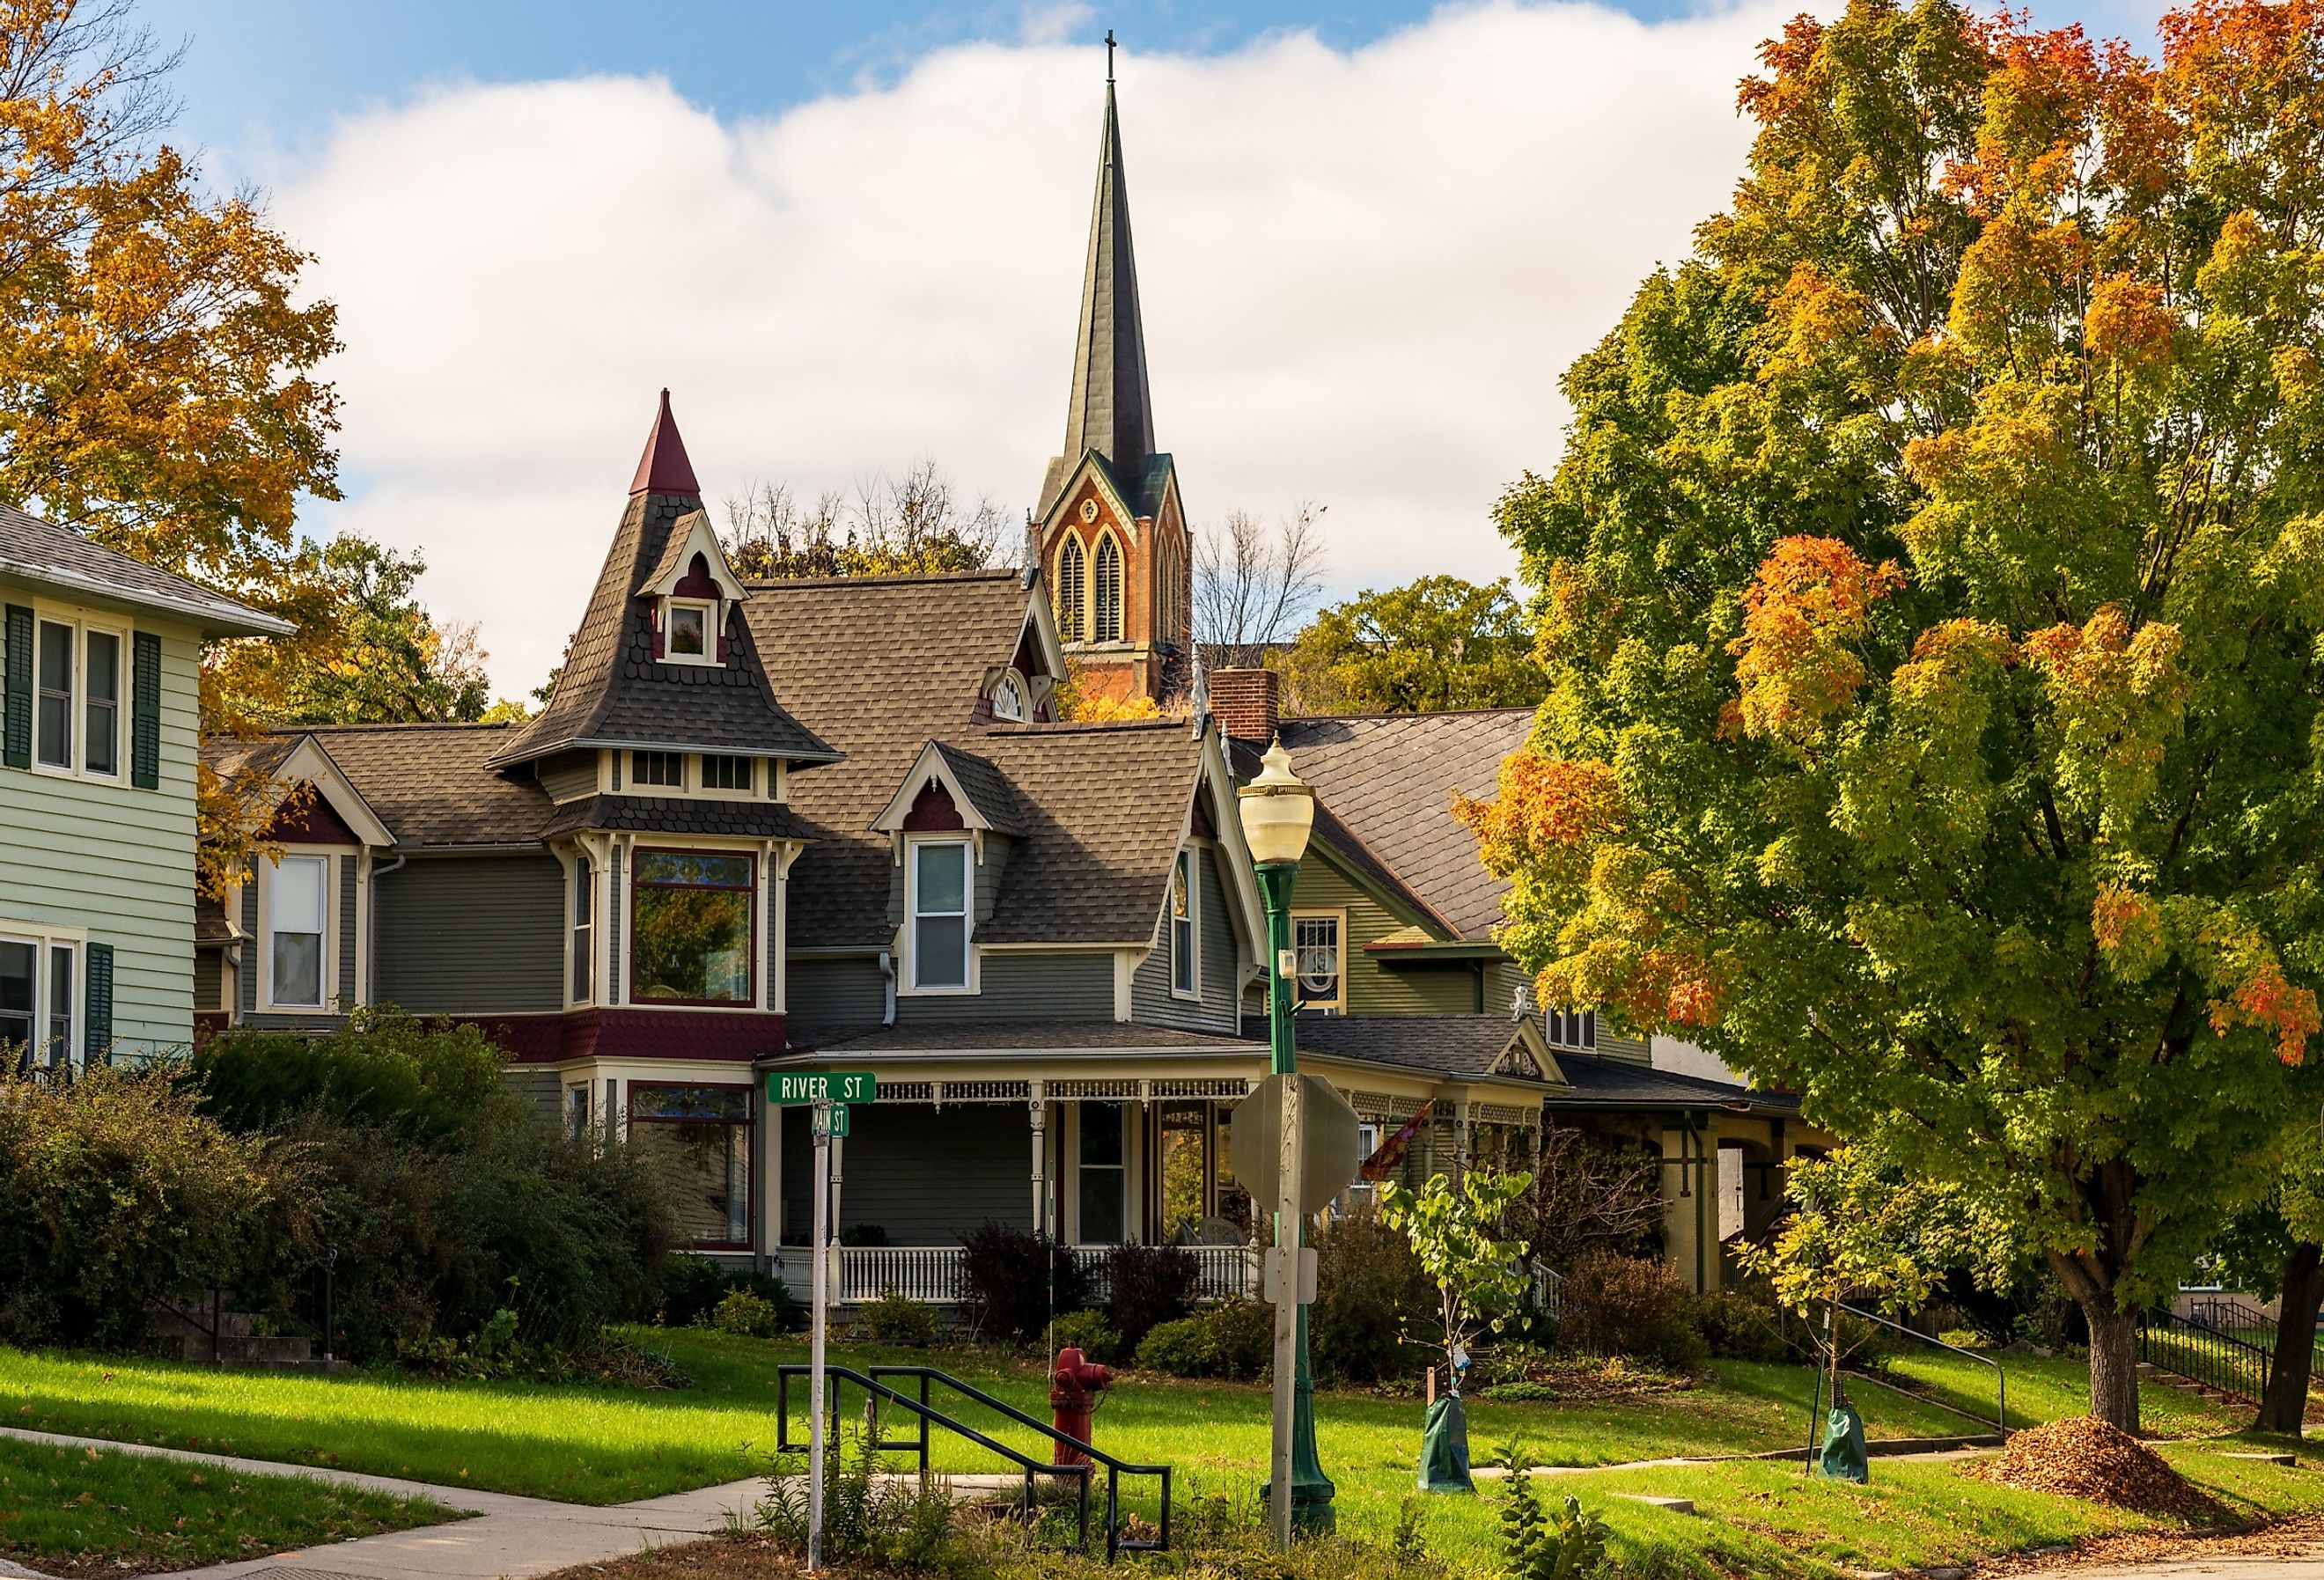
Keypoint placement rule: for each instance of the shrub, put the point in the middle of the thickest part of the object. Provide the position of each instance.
(383, 1068)
(115, 1190)
(1146, 1284)
(1015, 1277)
(869, 1511)
(897, 1320)
(1233, 1340)
(1737, 1327)
(1613, 1305)
(1089, 1333)
(746, 1315)
(691, 1286)
(1370, 1293)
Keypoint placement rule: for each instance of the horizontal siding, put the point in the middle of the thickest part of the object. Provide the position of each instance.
(1629, 1049)
(210, 979)
(925, 1176)
(569, 776)
(117, 860)
(1374, 989)
(546, 1088)
(844, 991)
(1152, 1003)
(1022, 987)
(475, 934)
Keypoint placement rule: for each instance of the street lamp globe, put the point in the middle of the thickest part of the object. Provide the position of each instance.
(1278, 809)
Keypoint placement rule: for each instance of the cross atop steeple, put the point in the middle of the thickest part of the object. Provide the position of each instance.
(1108, 54)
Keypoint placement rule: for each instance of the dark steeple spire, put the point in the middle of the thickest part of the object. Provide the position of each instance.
(1112, 410)
(664, 469)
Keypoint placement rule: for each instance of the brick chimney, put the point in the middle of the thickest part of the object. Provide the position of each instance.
(1247, 703)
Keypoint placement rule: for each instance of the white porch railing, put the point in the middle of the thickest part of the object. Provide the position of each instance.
(932, 1273)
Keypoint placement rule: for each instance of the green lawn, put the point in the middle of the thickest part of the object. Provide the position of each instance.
(82, 1512)
(604, 1445)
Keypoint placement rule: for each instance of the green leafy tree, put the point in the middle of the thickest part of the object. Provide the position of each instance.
(369, 652)
(1436, 645)
(1931, 592)
(2275, 1250)
(1454, 1232)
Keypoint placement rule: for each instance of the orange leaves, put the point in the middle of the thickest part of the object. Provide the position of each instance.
(1803, 615)
(2127, 322)
(1545, 804)
(2267, 1000)
(2128, 928)
(2117, 697)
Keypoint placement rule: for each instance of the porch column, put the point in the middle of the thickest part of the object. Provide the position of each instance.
(1038, 1107)
(1463, 1140)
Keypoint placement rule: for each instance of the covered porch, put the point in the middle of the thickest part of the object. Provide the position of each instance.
(1131, 1146)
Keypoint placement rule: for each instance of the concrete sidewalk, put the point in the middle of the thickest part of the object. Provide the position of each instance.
(507, 1536)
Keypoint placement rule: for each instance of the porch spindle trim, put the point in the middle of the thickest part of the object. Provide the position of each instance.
(1231, 1086)
(1506, 1114)
(987, 1091)
(1116, 1089)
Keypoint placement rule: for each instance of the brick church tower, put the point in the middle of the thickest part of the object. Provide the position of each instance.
(1111, 530)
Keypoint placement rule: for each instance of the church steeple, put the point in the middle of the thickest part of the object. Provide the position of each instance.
(1112, 410)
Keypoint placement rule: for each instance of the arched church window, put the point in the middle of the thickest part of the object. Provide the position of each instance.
(1105, 591)
(1070, 590)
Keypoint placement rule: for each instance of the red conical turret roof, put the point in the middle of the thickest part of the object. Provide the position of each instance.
(664, 469)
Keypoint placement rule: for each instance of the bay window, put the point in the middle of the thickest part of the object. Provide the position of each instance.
(297, 901)
(939, 909)
(695, 1141)
(691, 927)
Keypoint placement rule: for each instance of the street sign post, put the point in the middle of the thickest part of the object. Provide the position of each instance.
(828, 1095)
(1330, 1150)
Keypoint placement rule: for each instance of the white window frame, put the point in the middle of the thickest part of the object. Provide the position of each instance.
(328, 986)
(708, 657)
(582, 871)
(640, 787)
(1190, 954)
(967, 913)
(1013, 684)
(1337, 1004)
(44, 940)
(122, 684)
(1575, 1030)
(83, 624)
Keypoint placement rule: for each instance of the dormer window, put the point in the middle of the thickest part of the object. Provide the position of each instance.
(690, 627)
(1008, 697)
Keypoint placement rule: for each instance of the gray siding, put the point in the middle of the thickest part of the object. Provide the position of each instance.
(844, 991)
(569, 775)
(1022, 987)
(925, 1176)
(471, 934)
(210, 979)
(254, 958)
(347, 988)
(544, 1087)
(1151, 1000)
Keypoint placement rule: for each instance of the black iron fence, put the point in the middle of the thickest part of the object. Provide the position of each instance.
(2206, 1355)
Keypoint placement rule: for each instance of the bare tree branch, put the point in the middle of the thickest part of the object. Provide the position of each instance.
(1253, 585)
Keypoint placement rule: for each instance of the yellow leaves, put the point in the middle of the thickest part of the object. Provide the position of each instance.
(2128, 928)
(1803, 614)
(2014, 275)
(1545, 805)
(2128, 323)
(2117, 697)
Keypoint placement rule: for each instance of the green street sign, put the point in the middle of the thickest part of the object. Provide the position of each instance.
(845, 1087)
(832, 1120)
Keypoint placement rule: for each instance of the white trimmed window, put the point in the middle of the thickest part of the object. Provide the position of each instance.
(722, 773)
(584, 931)
(1073, 571)
(1185, 957)
(1315, 942)
(1105, 591)
(1572, 1029)
(298, 909)
(78, 679)
(663, 769)
(690, 633)
(101, 703)
(39, 998)
(941, 888)
(1009, 695)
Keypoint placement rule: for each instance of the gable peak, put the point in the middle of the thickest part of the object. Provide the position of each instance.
(664, 469)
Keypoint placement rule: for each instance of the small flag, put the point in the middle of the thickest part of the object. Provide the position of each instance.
(1390, 1156)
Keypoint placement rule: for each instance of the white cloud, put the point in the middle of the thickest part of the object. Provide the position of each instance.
(1362, 273)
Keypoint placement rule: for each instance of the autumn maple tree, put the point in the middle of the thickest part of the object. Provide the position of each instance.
(1932, 602)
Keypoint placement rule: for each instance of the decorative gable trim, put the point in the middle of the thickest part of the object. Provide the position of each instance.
(674, 577)
(930, 768)
(309, 762)
(1094, 465)
(1527, 1057)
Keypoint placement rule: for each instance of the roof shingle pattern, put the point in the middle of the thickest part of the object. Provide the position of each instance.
(42, 550)
(1444, 1045)
(431, 784)
(1390, 780)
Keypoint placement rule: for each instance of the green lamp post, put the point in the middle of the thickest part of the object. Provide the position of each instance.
(1278, 811)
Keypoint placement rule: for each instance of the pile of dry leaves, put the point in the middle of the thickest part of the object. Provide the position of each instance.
(2083, 1457)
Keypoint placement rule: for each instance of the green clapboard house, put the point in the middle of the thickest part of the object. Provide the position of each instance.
(100, 659)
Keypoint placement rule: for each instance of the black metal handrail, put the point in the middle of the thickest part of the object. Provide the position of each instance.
(927, 1416)
(1115, 1468)
(2204, 1355)
(2000, 1377)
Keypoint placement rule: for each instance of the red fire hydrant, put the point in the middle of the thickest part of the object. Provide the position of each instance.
(1074, 1389)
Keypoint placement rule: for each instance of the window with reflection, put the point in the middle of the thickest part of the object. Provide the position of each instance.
(696, 1141)
(691, 927)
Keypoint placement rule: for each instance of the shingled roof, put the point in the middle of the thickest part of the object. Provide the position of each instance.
(1389, 780)
(1462, 1045)
(880, 666)
(612, 691)
(431, 783)
(58, 557)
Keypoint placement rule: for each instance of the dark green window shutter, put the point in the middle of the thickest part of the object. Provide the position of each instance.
(145, 712)
(16, 703)
(97, 994)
